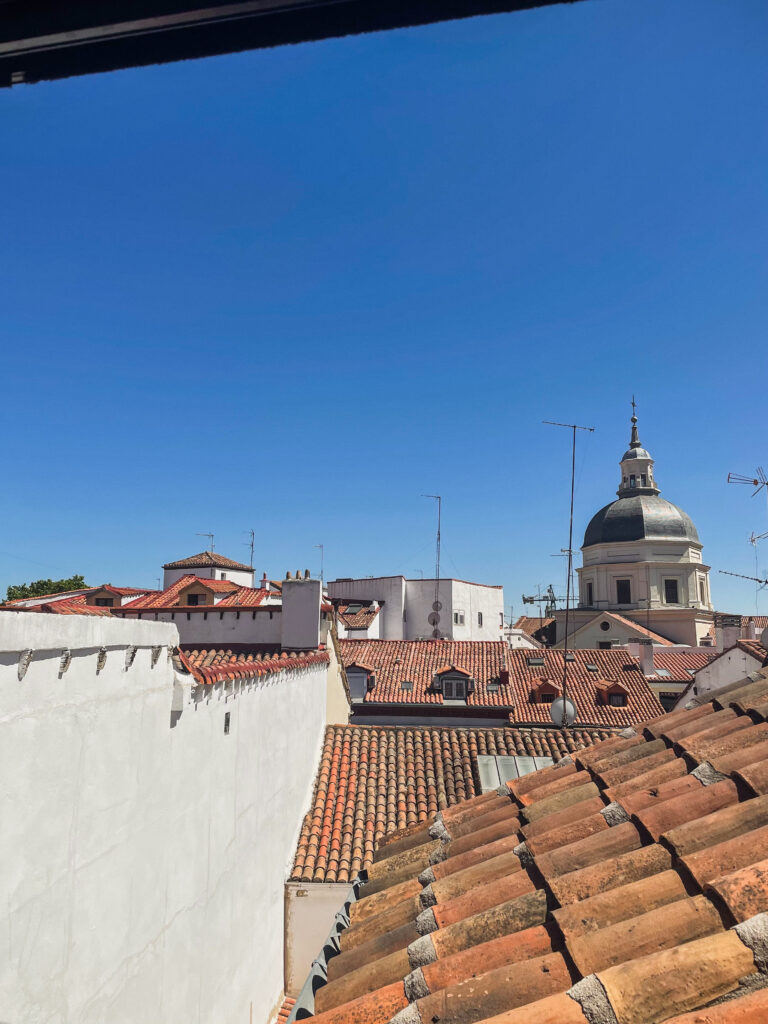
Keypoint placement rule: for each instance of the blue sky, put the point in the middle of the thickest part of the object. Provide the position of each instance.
(294, 290)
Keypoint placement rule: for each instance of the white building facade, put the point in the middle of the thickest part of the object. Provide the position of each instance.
(467, 611)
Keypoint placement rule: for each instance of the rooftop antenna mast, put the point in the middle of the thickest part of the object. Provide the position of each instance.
(758, 483)
(756, 579)
(250, 544)
(573, 427)
(322, 559)
(210, 539)
(434, 618)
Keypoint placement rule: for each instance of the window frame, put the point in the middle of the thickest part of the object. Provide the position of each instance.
(624, 580)
(671, 580)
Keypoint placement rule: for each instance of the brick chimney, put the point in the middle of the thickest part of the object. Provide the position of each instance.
(645, 653)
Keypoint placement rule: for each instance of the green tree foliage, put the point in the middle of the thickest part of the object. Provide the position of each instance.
(39, 588)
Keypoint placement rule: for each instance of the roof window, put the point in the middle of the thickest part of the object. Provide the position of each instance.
(590, 667)
(493, 687)
(664, 672)
(570, 656)
(353, 609)
(535, 661)
(406, 685)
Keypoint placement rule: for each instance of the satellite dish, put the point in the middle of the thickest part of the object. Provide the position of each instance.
(436, 634)
(433, 618)
(764, 639)
(437, 606)
(556, 711)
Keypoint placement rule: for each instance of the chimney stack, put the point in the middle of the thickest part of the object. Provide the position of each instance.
(728, 631)
(751, 634)
(645, 653)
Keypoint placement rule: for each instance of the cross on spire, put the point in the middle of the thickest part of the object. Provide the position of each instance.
(634, 441)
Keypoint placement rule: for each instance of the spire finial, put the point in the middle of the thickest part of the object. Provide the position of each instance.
(634, 440)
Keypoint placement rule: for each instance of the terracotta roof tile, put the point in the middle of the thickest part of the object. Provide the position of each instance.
(373, 781)
(658, 917)
(207, 559)
(361, 619)
(504, 678)
(213, 664)
(69, 606)
(237, 596)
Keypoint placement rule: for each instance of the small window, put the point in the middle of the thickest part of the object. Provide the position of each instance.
(624, 591)
(226, 723)
(605, 626)
(193, 600)
(570, 656)
(547, 698)
(590, 594)
(104, 602)
(458, 618)
(353, 609)
(454, 689)
(702, 590)
(590, 667)
(671, 595)
(358, 683)
(617, 700)
(501, 619)
(223, 575)
(479, 618)
(643, 479)
(632, 480)
(493, 687)
(532, 662)
(406, 685)
(604, 645)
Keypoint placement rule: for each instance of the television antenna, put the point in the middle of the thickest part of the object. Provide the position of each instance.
(210, 539)
(757, 482)
(250, 544)
(434, 617)
(755, 579)
(573, 427)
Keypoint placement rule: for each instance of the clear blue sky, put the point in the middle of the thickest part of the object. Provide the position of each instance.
(293, 290)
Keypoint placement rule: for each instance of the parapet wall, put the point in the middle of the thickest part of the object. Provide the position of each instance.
(148, 825)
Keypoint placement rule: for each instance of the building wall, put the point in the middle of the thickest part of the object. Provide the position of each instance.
(310, 908)
(144, 850)
(685, 626)
(220, 626)
(242, 578)
(407, 605)
(730, 667)
(301, 614)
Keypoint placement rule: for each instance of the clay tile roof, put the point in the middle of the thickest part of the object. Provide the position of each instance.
(361, 619)
(207, 560)
(237, 596)
(656, 637)
(627, 882)
(373, 781)
(62, 606)
(504, 678)
(210, 665)
(679, 664)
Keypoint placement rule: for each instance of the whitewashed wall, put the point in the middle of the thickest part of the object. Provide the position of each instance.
(220, 626)
(143, 863)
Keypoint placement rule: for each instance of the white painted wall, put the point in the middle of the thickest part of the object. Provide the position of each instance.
(730, 667)
(143, 865)
(407, 605)
(301, 614)
(241, 577)
(310, 909)
(220, 626)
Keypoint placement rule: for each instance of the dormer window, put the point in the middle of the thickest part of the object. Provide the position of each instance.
(544, 691)
(194, 600)
(454, 683)
(617, 700)
(454, 688)
(612, 693)
(361, 679)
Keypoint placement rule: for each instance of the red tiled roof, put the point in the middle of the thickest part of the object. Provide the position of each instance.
(214, 664)
(285, 1010)
(126, 591)
(678, 663)
(373, 781)
(66, 606)
(514, 670)
(239, 597)
(360, 619)
(626, 883)
(207, 560)
(531, 624)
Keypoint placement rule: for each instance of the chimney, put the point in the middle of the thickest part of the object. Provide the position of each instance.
(751, 634)
(264, 581)
(645, 653)
(728, 630)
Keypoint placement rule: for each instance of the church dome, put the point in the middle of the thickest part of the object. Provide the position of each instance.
(639, 517)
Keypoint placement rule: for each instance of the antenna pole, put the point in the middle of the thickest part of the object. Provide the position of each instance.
(250, 544)
(439, 501)
(322, 559)
(573, 427)
(210, 539)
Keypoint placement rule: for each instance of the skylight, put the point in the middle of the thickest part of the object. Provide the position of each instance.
(406, 685)
(535, 661)
(662, 672)
(590, 667)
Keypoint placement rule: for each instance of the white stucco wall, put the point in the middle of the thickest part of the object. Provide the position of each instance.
(310, 909)
(220, 626)
(730, 667)
(242, 577)
(387, 590)
(144, 862)
(301, 614)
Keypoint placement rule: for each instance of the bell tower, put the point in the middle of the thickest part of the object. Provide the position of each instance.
(636, 465)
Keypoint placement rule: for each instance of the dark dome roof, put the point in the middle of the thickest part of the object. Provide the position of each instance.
(637, 518)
